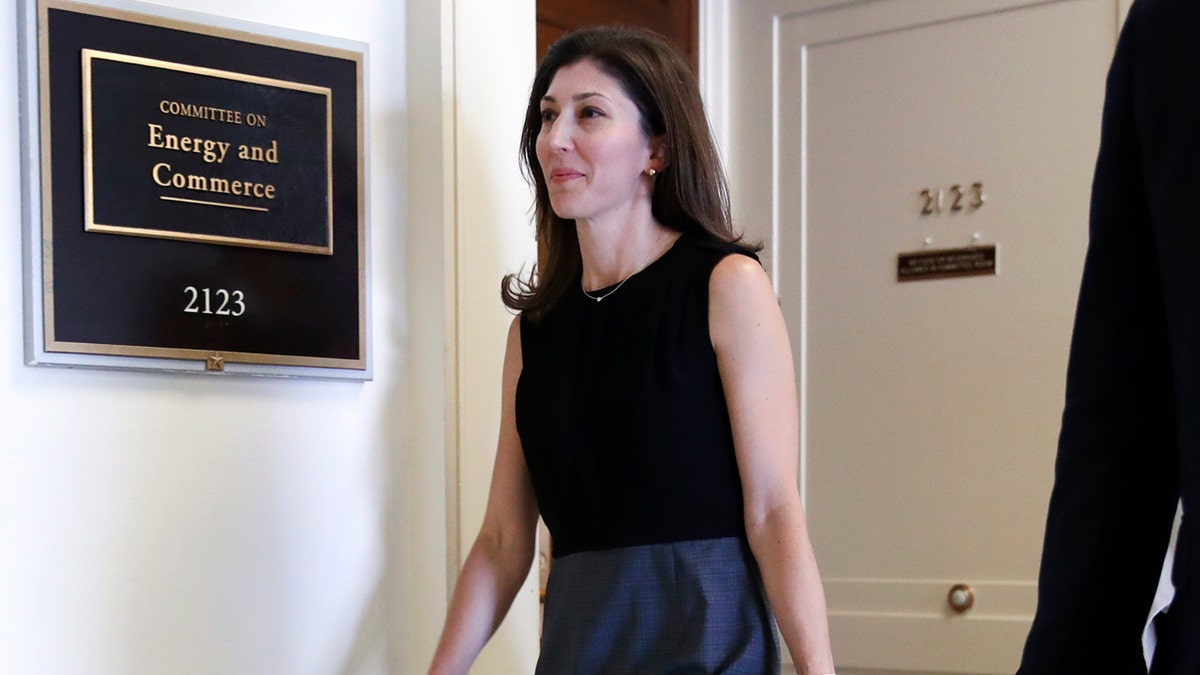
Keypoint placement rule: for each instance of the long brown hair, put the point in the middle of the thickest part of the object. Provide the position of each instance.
(690, 194)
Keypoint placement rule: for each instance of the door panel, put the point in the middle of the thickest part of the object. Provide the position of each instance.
(929, 409)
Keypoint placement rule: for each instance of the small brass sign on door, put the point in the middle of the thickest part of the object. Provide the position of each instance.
(970, 261)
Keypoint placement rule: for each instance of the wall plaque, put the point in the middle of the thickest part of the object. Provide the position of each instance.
(970, 261)
(195, 193)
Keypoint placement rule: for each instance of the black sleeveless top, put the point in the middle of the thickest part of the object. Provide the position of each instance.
(621, 412)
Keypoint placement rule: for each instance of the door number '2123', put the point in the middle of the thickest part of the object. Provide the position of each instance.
(933, 201)
(214, 301)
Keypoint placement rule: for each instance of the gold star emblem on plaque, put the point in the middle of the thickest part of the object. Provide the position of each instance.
(216, 362)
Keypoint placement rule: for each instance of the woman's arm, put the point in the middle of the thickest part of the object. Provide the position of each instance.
(755, 360)
(503, 552)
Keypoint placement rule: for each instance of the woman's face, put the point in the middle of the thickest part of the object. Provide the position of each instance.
(591, 146)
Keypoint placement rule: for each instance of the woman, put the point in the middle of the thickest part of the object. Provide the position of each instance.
(649, 406)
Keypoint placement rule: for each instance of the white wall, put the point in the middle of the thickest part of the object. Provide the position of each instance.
(156, 523)
(494, 63)
(471, 63)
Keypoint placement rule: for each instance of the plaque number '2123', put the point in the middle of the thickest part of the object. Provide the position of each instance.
(202, 300)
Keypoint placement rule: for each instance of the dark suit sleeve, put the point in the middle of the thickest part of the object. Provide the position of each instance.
(1116, 482)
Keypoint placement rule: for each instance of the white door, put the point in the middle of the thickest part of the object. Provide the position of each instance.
(929, 409)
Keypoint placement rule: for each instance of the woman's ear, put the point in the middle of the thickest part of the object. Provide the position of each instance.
(658, 153)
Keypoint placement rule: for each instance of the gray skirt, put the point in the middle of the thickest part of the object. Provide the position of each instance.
(687, 607)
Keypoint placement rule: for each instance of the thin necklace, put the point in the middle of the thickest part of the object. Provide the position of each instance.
(621, 283)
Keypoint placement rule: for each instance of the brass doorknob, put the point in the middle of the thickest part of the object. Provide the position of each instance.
(961, 598)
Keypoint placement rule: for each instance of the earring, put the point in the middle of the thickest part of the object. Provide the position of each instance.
(651, 172)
